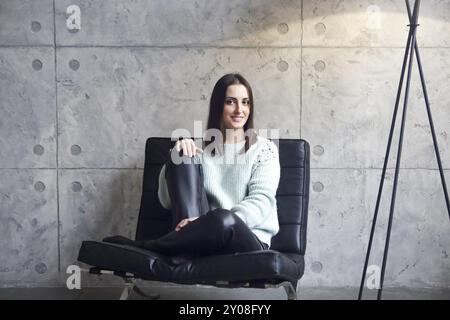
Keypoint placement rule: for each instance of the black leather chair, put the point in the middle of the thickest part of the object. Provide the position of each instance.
(282, 265)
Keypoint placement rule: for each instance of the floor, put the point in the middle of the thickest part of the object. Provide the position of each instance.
(184, 292)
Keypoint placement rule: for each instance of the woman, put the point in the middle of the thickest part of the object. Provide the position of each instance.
(226, 203)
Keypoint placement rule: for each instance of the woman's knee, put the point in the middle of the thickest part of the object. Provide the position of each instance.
(224, 218)
(176, 158)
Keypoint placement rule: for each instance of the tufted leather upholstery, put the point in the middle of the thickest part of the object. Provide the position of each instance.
(283, 262)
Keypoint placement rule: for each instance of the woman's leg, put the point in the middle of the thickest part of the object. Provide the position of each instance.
(185, 186)
(219, 231)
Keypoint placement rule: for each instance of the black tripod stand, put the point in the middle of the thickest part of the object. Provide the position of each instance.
(411, 48)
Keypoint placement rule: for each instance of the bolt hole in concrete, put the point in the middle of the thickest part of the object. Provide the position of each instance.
(319, 66)
(75, 149)
(40, 268)
(316, 267)
(76, 186)
(39, 186)
(318, 150)
(320, 28)
(282, 66)
(38, 150)
(283, 28)
(74, 64)
(318, 187)
(35, 26)
(37, 64)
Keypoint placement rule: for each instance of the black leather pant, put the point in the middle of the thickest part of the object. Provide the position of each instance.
(217, 231)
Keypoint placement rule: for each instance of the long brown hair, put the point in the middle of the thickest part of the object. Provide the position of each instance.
(216, 105)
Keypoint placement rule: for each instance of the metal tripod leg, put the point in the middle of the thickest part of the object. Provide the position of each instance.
(409, 53)
(430, 119)
(412, 48)
(386, 158)
(413, 26)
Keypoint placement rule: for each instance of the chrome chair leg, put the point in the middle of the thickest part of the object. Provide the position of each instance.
(126, 292)
(290, 290)
(139, 291)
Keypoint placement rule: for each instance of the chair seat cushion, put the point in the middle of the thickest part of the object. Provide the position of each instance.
(269, 266)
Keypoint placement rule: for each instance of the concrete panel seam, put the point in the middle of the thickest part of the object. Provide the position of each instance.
(57, 130)
(193, 46)
(301, 66)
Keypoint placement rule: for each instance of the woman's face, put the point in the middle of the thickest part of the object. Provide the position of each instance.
(236, 107)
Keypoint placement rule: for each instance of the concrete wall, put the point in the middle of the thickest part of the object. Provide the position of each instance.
(76, 108)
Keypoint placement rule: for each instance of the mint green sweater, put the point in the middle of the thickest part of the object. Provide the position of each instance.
(244, 183)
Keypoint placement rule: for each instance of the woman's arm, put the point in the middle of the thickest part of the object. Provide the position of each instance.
(260, 202)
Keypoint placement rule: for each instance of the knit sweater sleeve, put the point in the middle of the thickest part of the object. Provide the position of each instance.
(260, 201)
(163, 192)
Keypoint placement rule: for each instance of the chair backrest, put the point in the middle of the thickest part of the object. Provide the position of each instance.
(292, 194)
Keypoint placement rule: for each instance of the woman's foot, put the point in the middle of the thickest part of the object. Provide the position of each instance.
(120, 240)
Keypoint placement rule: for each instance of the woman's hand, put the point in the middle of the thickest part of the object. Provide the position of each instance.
(188, 146)
(184, 223)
